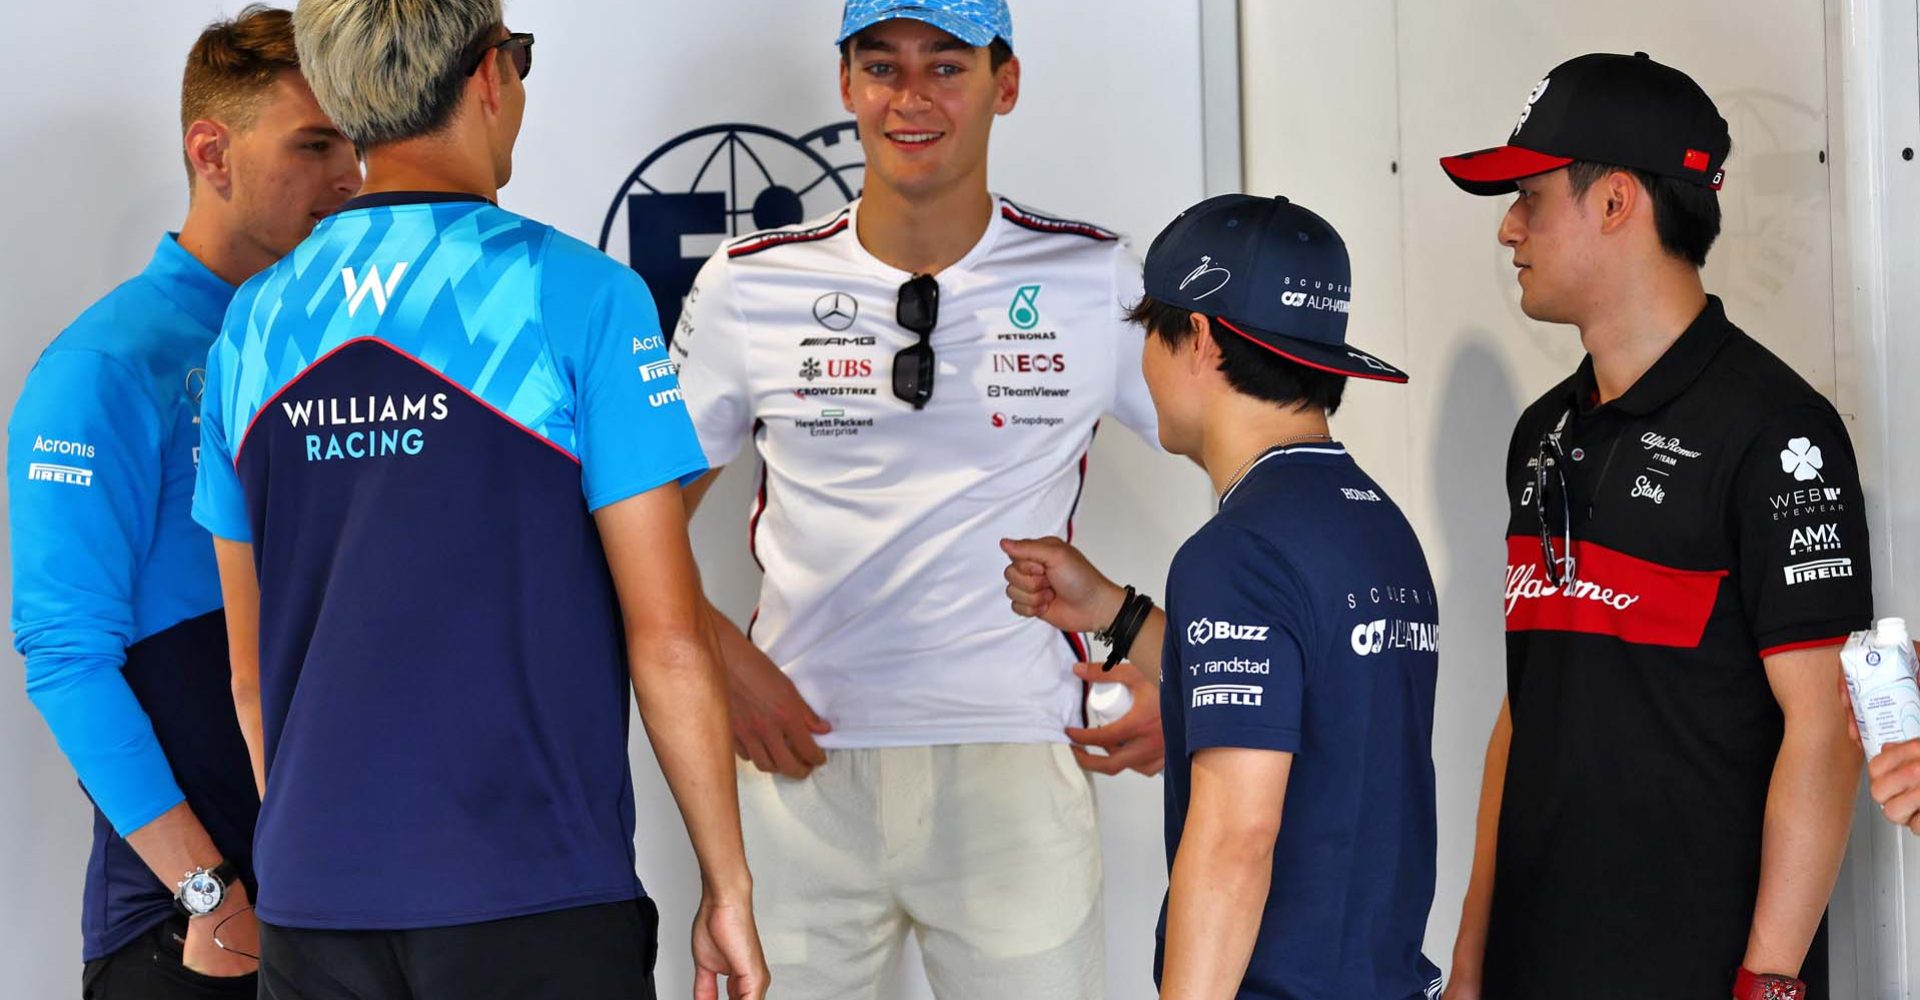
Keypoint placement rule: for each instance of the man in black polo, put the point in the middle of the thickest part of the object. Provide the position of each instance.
(1669, 784)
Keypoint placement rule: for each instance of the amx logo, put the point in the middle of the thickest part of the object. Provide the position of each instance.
(1227, 694)
(359, 290)
(658, 369)
(1202, 631)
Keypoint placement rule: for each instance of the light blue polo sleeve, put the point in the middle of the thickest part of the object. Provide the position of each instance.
(218, 503)
(632, 432)
(84, 450)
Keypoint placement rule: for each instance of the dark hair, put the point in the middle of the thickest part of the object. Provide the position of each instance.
(1250, 368)
(232, 67)
(1685, 214)
(999, 53)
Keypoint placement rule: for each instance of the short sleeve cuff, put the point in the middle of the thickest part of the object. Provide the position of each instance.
(683, 474)
(233, 529)
(1242, 737)
(1832, 632)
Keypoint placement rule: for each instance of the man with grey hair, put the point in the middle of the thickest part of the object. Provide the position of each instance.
(442, 457)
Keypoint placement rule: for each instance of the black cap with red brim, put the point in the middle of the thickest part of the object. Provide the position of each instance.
(1623, 111)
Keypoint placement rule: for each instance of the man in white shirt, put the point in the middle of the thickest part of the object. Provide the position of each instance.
(921, 375)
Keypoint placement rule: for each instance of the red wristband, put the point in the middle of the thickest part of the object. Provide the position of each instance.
(1766, 986)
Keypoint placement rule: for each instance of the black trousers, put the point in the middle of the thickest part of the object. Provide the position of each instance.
(150, 969)
(605, 952)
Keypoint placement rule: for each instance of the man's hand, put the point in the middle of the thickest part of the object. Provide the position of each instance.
(1134, 741)
(1461, 989)
(772, 725)
(1050, 580)
(725, 943)
(242, 933)
(1895, 783)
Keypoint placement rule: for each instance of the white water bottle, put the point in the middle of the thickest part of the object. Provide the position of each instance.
(1107, 703)
(1881, 669)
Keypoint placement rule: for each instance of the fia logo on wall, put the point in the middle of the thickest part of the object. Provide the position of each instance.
(705, 187)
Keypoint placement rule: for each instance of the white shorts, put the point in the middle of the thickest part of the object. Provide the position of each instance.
(990, 853)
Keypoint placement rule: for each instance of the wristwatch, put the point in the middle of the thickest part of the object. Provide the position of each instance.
(204, 889)
(1767, 986)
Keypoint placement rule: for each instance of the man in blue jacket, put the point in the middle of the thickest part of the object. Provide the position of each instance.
(116, 604)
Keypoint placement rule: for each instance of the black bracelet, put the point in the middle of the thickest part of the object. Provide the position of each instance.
(1134, 611)
(1113, 628)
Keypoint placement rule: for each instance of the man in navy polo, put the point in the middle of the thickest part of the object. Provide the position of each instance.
(1300, 664)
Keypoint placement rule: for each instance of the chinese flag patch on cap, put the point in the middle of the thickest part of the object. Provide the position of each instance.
(1695, 160)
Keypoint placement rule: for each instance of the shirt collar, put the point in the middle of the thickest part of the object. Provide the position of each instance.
(388, 199)
(185, 281)
(1670, 376)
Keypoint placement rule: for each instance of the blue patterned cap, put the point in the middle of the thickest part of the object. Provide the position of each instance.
(976, 22)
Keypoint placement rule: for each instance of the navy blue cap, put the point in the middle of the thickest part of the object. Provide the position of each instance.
(1268, 270)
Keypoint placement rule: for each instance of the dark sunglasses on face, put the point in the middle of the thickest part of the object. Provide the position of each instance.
(519, 48)
(917, 310)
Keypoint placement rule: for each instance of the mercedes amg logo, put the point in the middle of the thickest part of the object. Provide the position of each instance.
(835, 310)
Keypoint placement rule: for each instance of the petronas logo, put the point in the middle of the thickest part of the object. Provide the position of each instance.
(1025, 311)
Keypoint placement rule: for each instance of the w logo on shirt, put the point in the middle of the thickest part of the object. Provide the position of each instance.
(359, 290)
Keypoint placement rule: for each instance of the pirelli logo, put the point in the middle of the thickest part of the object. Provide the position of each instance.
(71, 475)
(1227, 694)
(1819, 569)
(658, 369)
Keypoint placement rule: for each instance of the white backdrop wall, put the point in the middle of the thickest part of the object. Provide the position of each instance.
(1347, 109)
(95, 177)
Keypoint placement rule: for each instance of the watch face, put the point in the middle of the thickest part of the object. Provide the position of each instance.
(203, 893)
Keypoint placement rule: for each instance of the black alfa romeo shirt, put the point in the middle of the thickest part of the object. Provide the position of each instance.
(1717, 520)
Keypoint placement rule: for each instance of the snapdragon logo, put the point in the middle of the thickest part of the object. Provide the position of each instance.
(409, 438)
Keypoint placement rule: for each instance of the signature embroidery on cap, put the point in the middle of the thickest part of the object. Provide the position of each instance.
(1527, 112)
(1206, 269)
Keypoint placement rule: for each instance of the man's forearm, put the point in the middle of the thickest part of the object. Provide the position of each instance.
(246, 707)
(175, 844)
(683, 704)
(1476, 910)
(1809, 812)
(1214, 904)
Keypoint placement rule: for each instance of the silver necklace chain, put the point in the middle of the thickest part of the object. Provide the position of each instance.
(1247, 466)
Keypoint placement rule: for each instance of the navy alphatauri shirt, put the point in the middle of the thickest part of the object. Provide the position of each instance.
(116, 604)
(1301, 619)
(412, 418)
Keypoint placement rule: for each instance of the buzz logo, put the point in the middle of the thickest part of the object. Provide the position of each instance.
(657, 370)
(370, 286)
(1247, 695)
(1370, 637)
(1203, 630)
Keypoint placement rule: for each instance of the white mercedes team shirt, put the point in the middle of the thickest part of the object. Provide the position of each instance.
(877, 526)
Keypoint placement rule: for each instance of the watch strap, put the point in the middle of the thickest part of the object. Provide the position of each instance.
(1767, 986)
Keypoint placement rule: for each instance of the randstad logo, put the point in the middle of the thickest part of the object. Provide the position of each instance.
(359, 290)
